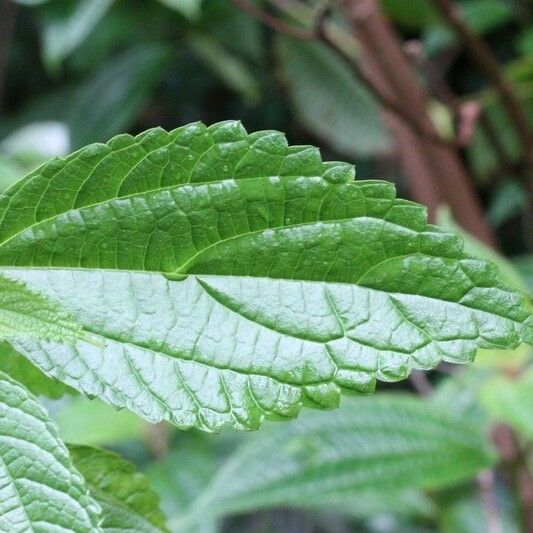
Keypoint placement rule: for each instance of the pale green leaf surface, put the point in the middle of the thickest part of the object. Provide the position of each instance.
(225, 277)
(128, 502)
(40, 490)
(381, 444)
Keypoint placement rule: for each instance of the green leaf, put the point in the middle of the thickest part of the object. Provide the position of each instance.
(40, 490)
(329, 101)
(91, 422)
(225, 277)
(232, 71)
(26, 373)
(127, 500)
(67, 24)
(511, 401)
(508, 271)
(120, 89)
(27, 314)
(189, 8)
(383, 444)
(418, 14)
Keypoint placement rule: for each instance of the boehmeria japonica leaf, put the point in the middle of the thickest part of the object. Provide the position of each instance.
(371, 447)
(127, 500)
(224, 277)
(40, 489)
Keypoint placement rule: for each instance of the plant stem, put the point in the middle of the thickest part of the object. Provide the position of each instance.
(274, 22)
(435, 172)
(483, 57)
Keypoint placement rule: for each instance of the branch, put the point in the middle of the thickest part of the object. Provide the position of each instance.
(273, 22)
(487, 493)
(482, 55)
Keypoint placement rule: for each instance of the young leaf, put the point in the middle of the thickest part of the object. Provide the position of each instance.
(127, 500)
(27, 374)
(329, 101)
(382, 444)
(40, 490)
(225, 277)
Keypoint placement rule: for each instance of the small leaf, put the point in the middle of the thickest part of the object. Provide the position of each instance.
(225, 277)
(234, 72)
(67, 25)
(329, 101)
(127, 500)
(383, 444)
(40, 490)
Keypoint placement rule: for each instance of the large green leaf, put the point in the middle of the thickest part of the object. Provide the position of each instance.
(40, 490)
(372, 445)
(223, 277)
(127, 500)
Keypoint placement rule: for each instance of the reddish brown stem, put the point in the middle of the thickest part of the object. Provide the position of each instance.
(485, 60)
(435, 172)
(273, 22)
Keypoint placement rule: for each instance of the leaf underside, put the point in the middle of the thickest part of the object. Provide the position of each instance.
(40, 490)
(222, 277)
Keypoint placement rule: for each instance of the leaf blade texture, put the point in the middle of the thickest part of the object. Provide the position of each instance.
(227, 277)
(385, 445)
(125, 495)
(40, 488)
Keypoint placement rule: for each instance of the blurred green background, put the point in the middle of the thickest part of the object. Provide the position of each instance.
(73, 72)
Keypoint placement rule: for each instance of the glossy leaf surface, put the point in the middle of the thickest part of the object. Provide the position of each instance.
(40, 490)
(223, 277)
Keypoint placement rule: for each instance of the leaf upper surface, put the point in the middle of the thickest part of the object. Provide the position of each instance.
(40, 490)
(125, 495)
(382, 445)
(224, 277)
